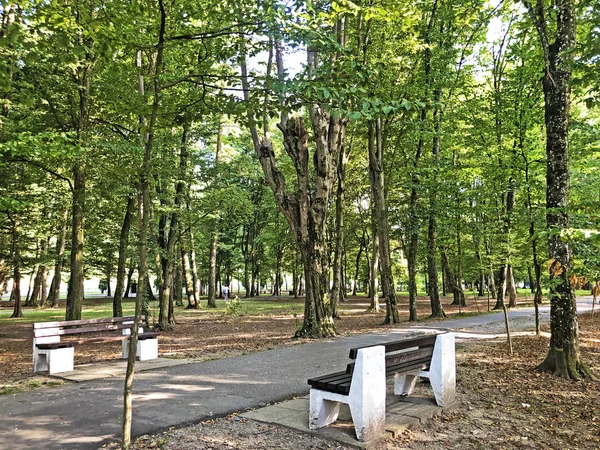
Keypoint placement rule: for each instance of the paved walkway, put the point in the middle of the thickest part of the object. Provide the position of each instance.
(87, 415)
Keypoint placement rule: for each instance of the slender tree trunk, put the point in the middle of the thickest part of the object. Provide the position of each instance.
(511, 287)
(337, 293)
(194, 268)
(188, 282)
(129, 276)
(376, 173)
(178, 283)
(54, 294)
(212, 272)
(144, 222)
(356, 270)
(16, 257)
(123, 243)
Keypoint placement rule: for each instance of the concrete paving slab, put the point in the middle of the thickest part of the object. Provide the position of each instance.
(400, 416)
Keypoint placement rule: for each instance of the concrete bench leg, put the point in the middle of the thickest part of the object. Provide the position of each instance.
(322, 412)
(125, 343)
(367, 393)
(442, 372)
(60, 360)
(366, 398)
(147, 349)
(404, 383)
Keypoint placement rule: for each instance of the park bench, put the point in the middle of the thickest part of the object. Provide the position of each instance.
(55, 355)
(362, 386)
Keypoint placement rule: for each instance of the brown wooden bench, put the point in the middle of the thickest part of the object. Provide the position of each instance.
(53, 353)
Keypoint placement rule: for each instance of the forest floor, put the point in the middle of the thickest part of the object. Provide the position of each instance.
(503, 403)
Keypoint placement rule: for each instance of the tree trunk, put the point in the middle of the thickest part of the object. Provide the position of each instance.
(187, 278)
(194, 268)
(75, 289)
(381, 228)
(144, 212)
(501, 287)
(357, 269)
(54, 294)
(564, 358)
(178, 283)
(212, 272)
(453, 284)
(165, 317)
(511, 287)
(123, 243)
(337, 293)
(16, 260)
(129, 276)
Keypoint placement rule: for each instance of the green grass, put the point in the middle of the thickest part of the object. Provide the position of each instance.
(100, 308)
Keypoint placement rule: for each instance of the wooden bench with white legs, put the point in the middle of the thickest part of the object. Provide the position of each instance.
(53, 354)
(362, 385)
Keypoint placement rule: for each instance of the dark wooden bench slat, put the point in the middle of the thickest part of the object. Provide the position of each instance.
(418, 341)
(95, 340)
(54, 346)
(408, 366)
(399, 358)
(97, 328)
(68, 323)
(409, 354)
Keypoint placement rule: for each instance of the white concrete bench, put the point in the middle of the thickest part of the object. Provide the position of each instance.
(363, 387)
(54, 355)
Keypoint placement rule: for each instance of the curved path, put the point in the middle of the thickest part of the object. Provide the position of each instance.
(87, 415)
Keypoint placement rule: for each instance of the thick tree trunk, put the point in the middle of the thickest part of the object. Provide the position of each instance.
(564, 358)
(123, 243)
(75, 290)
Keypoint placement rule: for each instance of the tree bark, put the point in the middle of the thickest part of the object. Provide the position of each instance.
(123, 243)
(511, 287)
(165, 318)
(144, 221)
(16, 260)
(381, 228)
(563, 358)
(337, 294)
(75, 289)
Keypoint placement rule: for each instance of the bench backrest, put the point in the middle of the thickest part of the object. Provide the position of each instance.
(67, 327)
(414, 350)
